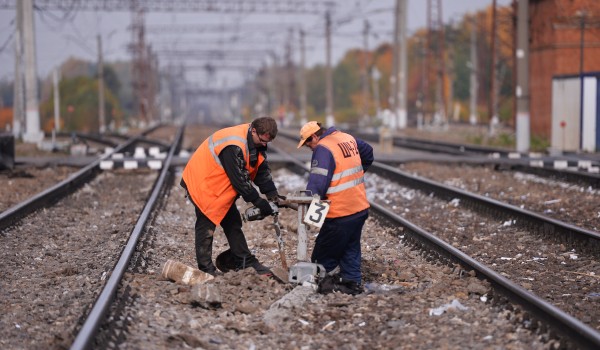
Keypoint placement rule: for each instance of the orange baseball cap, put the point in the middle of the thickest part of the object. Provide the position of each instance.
(307, 130)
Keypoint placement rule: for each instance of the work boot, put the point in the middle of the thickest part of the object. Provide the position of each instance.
(335, 283)
(261, 269)
(327, 284)
(348, 287)
(253, 262)
(226, 261)
(211, 269)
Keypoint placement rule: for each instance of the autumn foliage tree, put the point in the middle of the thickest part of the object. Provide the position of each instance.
(422, 73)
(79, 106)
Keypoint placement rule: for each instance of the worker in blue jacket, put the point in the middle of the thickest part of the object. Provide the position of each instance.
(338, 164)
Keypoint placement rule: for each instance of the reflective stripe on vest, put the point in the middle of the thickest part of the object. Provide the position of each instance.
(345, 173)
(228, 139)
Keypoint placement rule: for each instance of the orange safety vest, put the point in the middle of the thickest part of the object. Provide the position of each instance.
(347, 189)
(204, 175)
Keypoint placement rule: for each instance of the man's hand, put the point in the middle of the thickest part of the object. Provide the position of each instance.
(264, 206)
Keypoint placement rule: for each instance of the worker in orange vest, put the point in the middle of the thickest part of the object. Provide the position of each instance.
(338, 164)
(222, 169)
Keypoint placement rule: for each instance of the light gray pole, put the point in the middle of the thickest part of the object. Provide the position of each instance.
(33, 133)
(394, 78)
(492, 103)
(287, 76)
(56, 106)
(375, 76)
(55, 79)
(18, 100)
(303, 119)
(101, 111)
(581, 14)
(474, 86)
(522, 90)
(364, 71)
(399, 69)
(329, 118)
(403, 55)
(273, 96)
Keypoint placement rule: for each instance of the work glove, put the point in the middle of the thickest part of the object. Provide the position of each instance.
(264, 206)
(276, 197)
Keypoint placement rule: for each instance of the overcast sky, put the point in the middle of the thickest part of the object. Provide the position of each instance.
(58, 38)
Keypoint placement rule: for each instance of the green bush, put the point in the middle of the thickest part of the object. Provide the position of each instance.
(539, 143)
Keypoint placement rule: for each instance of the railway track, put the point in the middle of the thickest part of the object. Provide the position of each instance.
(96, 315)
(540, 253)
(129, 325)
(60, 247)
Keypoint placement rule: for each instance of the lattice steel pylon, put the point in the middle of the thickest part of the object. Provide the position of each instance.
(436, 57)
(143, 81)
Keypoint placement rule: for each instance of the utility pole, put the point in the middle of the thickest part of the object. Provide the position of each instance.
(423, 84)
(435, 61)
(375, 76)
(141, 72)
(364, 71)
(581, 14)
(442, 110)
(273, 84)
(55, 80)
(303, 119)
(154, 86)
(33, 133)
(18, 100)
(287, 85)
(399, 69)
(56, 106)
(394, 78)
(474, 86)
(101, 112)
(427, 102)
(492, 93)
(522, 90)
(329, 118)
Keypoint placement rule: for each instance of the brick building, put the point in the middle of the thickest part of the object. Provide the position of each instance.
(556, 48)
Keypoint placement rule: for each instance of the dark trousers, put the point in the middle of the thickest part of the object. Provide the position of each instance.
(205, 229)
(338, 243)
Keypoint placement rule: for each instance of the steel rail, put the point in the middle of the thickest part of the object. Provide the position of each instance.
(434, 146)
(54, 193)
(498, 156)
(422, 145)
(588, 239)
(578, 177)
(573, 329)
(89, 137)
(96, 315)
(509, 156)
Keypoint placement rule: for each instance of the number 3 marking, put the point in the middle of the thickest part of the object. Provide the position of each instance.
(318, 211)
